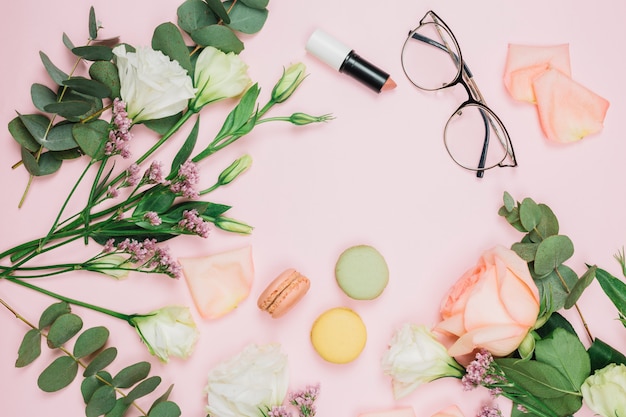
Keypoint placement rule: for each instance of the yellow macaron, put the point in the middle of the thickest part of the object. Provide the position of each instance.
(339, 335)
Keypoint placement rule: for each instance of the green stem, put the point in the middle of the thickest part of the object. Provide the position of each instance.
(72, 301)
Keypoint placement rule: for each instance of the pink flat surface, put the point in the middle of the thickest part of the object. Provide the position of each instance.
(378, 174)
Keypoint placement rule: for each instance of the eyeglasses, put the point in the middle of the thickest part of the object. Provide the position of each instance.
(432, 60)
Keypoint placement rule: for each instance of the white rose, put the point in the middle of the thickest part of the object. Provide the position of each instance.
(218, 76)
(152, 85)
(605, 391)
(248, 384)
(415, 357)
(167, 331)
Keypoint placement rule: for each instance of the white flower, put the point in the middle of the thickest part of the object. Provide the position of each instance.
(415, 357)
(248, 384)
(152, 85)
(218, 76)
(605, 391)
(167, 331)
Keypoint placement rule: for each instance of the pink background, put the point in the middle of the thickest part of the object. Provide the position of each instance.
(378, 174)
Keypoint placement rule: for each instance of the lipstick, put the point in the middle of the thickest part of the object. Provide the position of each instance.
(343, 58)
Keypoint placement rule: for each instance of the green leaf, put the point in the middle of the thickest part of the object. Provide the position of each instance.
(551, 289)
(101, 402)
(246, 19)
(552, 252)
(566, 353)
(158, 200)
(509, 202)
(219, 9)
(37, 125)
(59, 138)
(168, 39)
(601, 354)
(526, 251)
(162, 398)
(106, 73)
(219, 37)
(538, 378)
(94, 102)
(142, 389)
(91, 137)
(92, 383)
(52, 313)
(240, 115)
(122, 229)
(256, 4)
(68, 154)
(614, 288)
(556, 321)
(68, 109)
(101, 361)
(120, 408)
(22, 136)
(165, 409)
(90, 341)
(580, 286)
(93, 24)
(42, 96)
(204, 208)
(529, 214)
(46, 165)
(163, 125)
(185, 151)
(94, 52)
(548, 225)
(58, 375)
(512, 217)
(29, 349)
(132, 374)
(67, 41)
(54, 72)
(63, 329)
(194, 14)
(86, 86)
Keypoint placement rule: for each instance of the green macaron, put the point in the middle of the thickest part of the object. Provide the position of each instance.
(362, 272)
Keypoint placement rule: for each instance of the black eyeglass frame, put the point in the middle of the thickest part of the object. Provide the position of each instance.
(465, 78)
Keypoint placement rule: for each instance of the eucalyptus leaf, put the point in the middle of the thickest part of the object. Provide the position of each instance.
(142, 389)
(551, 290)
(165, 409)
(185, 151)
(614, 288)
(194, 14)
(159, 200)
(42, 96)
(92, 383)
(60, 138)
(91, 137)
(163, 125)
(67, 154)
(548, 225)
(529, 214)
(101, 402)
(162, 398)
(120, 408)
(29, 349)
(132, 374)
(219, 9)
(67, 42)
(22, 136)
(46, 165)
(63, 329)
(101, 361)
(168, 39)
(54, 72)
(90, 341)
(566, 353)
(585, 280)
(106, 73)
(52, 313)
(256, 4)
(68, 109)
(58, 375)
(526, 251)
(509, 202)
(94, 52)
(512, 217)
(552, 252)
(602, 354)
(87, 86)
(93, 24)
(219, 37)
(94, 102)
(37, 125)
(245, 19)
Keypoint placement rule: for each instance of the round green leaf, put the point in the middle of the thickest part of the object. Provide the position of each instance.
(101, 361)
(194, 14)
(526, 251)
(29, 349)
(89, 87)
(46, 165)
(529, 214)
(58, 375)
(551, 290)
(42, 96)
(91, 136)
(36, 124)
(63, 329)
(219, 37)
(90, 341)
(68, 109)
(22, 135)
(94, 52)
(60, 138)
(120, 408)
(168, 39)
(52, 313)
(165, 409)
(246, 19)
(92, 383)
(142, 389)
(132, 374)
(102, 401)
(509, 202)
(68, 154)
(219, 9)
(256, 4)
(106, 73)
(552, 252)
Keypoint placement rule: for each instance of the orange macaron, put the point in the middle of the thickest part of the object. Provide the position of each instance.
(283, 293)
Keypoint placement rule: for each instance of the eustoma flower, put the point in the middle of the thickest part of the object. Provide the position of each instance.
(218, 75)
(169, 331)
(605, 391)
(249, 384)
(152, 85)
(415, 357)
(492, 306)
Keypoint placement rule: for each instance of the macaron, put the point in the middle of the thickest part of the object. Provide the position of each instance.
(283, 293)
(362, 272)
(338, 335)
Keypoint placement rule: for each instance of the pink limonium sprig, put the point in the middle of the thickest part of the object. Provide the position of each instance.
(119, 135)
(304, 400)
(187, 180)
(193, 223)
(146, 255)
(490, 411)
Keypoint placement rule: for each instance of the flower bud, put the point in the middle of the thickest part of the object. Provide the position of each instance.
(605, 391)
(113, 265)
(300, 119)
(291, 79)
(232, 225)
(235, 169)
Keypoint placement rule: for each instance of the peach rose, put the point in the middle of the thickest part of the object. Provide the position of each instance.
(450, 411)
(492, 306)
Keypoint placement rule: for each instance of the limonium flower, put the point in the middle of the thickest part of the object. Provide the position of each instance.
(193, 223)
(152, 85)
(187, 180)
(482, 371)
(218, 76)
(119, 135)
(304, 400)
(146, 255)
(279, 411)
(490, 411)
